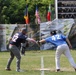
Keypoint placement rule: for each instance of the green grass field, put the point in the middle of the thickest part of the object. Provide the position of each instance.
(34, 61)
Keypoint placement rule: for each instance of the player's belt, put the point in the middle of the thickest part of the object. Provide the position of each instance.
(11, 44)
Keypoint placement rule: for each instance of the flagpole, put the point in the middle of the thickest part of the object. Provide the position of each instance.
(56, 9)
(35, 12)
(26, 16)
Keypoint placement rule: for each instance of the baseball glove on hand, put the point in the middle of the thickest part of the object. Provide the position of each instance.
(23, 51)
(38, 43)
(23, 48)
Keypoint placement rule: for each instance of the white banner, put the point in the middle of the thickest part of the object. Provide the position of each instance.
(5, 33)
(2, 37)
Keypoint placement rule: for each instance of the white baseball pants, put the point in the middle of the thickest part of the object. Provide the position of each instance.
(63, 49)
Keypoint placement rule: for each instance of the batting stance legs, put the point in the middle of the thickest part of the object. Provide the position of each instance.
(64, 49)
(14, 51)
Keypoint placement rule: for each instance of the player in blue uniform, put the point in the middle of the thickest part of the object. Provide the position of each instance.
(14, 47)
(60, 41)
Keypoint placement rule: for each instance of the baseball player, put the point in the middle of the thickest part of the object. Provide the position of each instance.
(14, 47)
(63, 44)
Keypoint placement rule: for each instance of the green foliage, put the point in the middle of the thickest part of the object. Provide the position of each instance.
(12, 11)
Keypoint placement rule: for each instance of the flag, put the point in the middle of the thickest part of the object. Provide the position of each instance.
(37, 15)
(49, 14)
(26, 15)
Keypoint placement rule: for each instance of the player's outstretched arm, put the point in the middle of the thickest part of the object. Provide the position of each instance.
(31, 40)
(42, 41)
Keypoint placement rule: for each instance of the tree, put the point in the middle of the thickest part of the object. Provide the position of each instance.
(12, 11)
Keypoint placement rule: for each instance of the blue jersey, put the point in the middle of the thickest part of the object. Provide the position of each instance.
(57, 39)
(17, 39)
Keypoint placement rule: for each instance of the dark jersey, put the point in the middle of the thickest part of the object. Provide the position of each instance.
(18, 38)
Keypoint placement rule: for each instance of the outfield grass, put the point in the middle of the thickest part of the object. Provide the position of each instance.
(31, 63)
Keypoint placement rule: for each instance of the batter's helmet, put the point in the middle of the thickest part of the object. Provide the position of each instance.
(53, 32)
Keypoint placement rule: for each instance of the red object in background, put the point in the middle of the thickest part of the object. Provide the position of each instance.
(49, 14)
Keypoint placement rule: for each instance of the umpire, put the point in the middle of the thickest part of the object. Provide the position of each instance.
(14, 47)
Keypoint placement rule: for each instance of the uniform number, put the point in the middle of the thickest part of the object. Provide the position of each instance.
(15, 37)
(55, 37)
